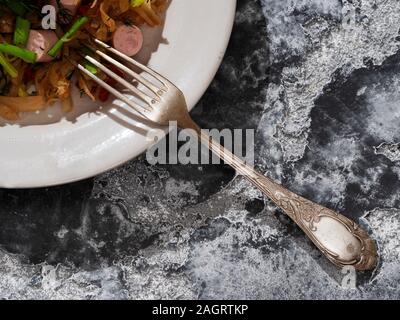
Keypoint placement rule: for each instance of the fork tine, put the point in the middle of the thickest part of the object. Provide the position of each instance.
(156, 90)
(138, 108)
(155, 74)
(122, 81)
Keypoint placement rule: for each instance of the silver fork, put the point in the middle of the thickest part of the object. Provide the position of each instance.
(340, 239)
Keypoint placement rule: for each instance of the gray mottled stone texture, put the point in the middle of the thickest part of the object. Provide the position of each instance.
(319, 80)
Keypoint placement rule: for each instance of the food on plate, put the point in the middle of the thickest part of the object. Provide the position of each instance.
(40, 42)
(128, 39)
(35, 61)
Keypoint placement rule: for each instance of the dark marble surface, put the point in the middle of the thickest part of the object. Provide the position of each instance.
(319, 80)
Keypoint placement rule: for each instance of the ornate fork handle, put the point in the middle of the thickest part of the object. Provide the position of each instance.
(340, 239)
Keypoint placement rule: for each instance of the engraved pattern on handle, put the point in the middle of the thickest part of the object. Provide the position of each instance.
(340, 239)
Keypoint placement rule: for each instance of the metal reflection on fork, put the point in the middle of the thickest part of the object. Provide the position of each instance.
(340, 239)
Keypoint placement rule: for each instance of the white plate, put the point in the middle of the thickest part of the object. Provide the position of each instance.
(49, 149)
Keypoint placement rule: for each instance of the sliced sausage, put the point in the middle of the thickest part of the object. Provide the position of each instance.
(41, 41)
(71, 5)
(128, 39)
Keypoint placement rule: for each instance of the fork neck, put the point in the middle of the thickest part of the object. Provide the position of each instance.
(185, 121)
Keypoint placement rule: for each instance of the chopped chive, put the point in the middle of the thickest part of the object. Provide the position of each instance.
(90, 67)
(8, 67)
(137, 3)
(26, 55)
(87, 64)
(21, 33)
(53, 52)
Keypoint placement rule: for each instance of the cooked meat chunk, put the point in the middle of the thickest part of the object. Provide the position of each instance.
(7, 21)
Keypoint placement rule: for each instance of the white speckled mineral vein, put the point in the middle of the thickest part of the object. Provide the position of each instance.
(326, 38)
